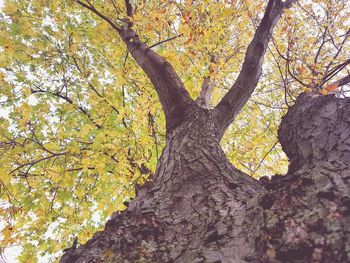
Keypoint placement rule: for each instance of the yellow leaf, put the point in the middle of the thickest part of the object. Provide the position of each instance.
(10, 8)
(3, 60)
(4, 176)
(324, 92)
(6, 233)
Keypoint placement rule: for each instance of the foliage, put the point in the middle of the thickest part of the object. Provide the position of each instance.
(81, 124)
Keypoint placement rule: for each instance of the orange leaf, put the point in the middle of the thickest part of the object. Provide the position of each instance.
(324, 92)
(332, 86)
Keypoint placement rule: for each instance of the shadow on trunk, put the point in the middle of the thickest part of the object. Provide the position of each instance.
(199, 208)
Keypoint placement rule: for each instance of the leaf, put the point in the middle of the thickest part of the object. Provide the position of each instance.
(332, 87)
(10, 8)
(329, 88)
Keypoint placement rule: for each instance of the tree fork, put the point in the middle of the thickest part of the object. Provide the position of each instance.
(198, 207)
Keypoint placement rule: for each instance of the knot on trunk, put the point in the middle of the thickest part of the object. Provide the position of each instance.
(315, 130)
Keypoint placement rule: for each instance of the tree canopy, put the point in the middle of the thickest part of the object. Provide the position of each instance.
(81, 125)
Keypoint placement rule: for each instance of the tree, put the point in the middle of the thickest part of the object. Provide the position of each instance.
(64, 153)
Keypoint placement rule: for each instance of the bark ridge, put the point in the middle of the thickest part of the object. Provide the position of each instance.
(199, 208)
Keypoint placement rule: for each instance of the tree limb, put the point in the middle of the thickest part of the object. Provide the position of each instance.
(95, 11)
(205, 94)
(172, 94)
(332, 73)
(164, 41)
(237, 96)
(340, 82)
(129, 12)
(344, 81)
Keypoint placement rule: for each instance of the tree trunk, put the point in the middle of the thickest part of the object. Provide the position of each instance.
(309, 217)
(199, 208)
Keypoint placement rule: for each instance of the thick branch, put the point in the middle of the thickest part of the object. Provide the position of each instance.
(337, 84)
(344, 81)
(205, 95)
(172, 94)
(129, 12)
(333, 72)
(234, 100)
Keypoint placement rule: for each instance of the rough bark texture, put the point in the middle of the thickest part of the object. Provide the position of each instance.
(199, 208)
(171, 92)
(248, 77)
(309, 217)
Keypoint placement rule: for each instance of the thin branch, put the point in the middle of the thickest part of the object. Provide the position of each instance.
(164, 41)
(321, 46)
(152, 124)
(284, 79)
(288, 60)
(115, 6)
(37, 161)
(332, 73)
(292, 74)
(94, 10)
(70, 101)
(346, 36)
(262, 160)
(93, 87)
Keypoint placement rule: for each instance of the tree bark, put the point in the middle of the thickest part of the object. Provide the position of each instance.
(199, 208)
(309, 217)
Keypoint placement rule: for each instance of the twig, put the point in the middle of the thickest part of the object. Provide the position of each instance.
(262, 160)
(164, 41)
